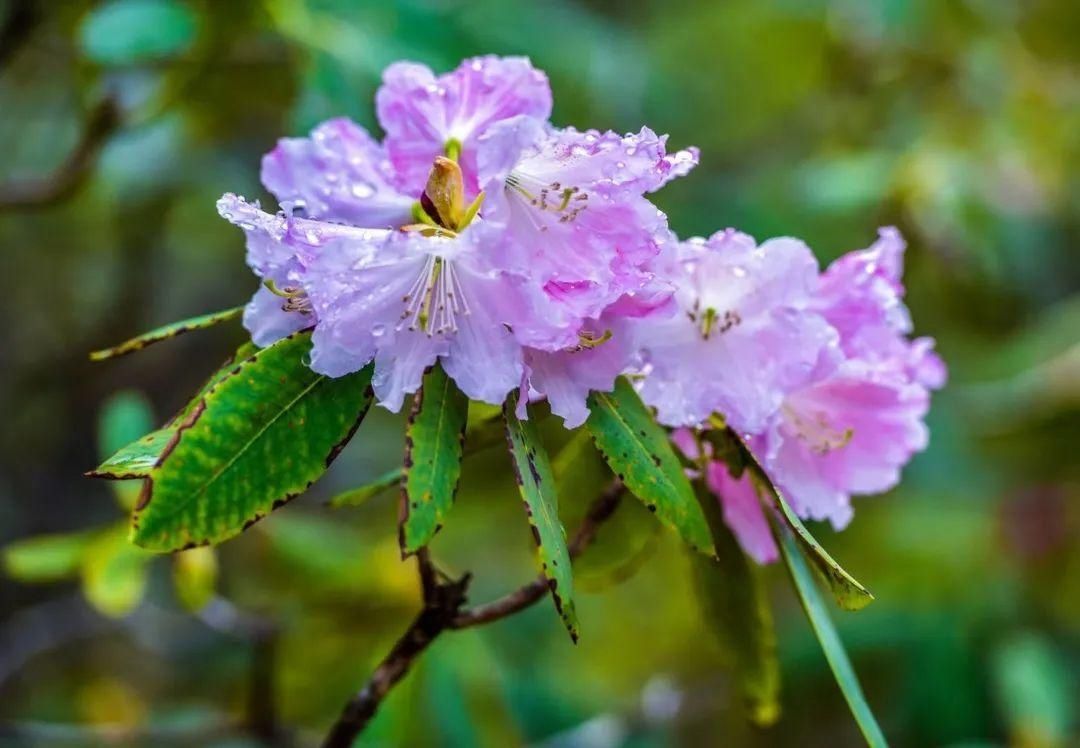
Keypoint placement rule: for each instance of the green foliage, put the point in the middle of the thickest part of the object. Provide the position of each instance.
(45, 558)
(537, 486)
(816, 611)
(736, 603)
(433, 449)
(137, 459)
(195, 573)
(1036, 689)
(166, 332)
(260, 436)
(114, 572)
(124, 32)
(848, 591)
(361, 495)
(638, 451)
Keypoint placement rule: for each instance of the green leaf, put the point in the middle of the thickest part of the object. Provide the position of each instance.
(137, 459)
(45, 558)
(259, 437)
(826, 634)
(195, 574)
(140, 455)
(848, 591)
(114, 573)
(165, 333)
(358, 496)
(537, 486)
(244, 352)
(434, 442)
(132, 31)
(637, 449)
(736, 602)
(850, 594)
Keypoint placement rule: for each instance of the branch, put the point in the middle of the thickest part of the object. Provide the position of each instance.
(442, 611)
(442, 601)
(600, 510)
(102, 122)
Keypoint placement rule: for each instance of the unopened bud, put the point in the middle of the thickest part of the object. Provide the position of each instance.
(444, 195)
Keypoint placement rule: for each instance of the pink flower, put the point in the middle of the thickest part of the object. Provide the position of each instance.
(743, 336)
(852, 427)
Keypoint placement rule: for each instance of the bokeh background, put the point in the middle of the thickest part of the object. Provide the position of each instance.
(122, 122)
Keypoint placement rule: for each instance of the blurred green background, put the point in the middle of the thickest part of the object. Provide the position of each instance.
(122, 122)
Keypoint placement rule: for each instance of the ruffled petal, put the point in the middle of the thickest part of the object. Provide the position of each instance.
(266, 251)
(421, 112)
(339, 173)
(356, 290)
(851, 433)
(276, 242)
(484, 358)
(567, 377)
(268, 322)
(594, 161)
(399, 368)
(742, 339)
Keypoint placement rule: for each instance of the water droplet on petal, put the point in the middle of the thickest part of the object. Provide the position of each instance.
(378, 330)
(361, 190)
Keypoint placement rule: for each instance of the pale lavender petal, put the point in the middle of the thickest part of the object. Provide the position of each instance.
(484, 359)
(421, 112)
(268, 322)
(861, 295)
(592, 161)
(743, 338)
(567, 377)
(356, 290)
(339, 173)
(266, 252)
(399, 368)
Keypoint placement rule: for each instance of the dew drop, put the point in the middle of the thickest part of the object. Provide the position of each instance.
(378, 330)
(361, 190)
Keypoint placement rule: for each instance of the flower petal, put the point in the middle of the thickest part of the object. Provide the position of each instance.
(421, 112)
(743, 512)
(339, 173)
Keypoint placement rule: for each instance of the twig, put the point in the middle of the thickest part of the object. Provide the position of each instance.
(600, 510)
(102, 121)
(442, 611)
(440, 606)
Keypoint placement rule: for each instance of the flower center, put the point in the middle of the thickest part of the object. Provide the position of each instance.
(563, 201)
(296, 299)
(814, 429)
(709, 320)
(434, 300)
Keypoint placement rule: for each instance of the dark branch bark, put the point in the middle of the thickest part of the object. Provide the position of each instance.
(102, 121)
(441, 604)
(442, 611)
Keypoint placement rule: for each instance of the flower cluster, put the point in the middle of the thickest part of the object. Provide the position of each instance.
(519, 255)
(814, 370)
(476, 234)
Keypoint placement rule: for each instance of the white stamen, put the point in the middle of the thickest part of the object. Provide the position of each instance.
(435, 299)
(552, 198)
